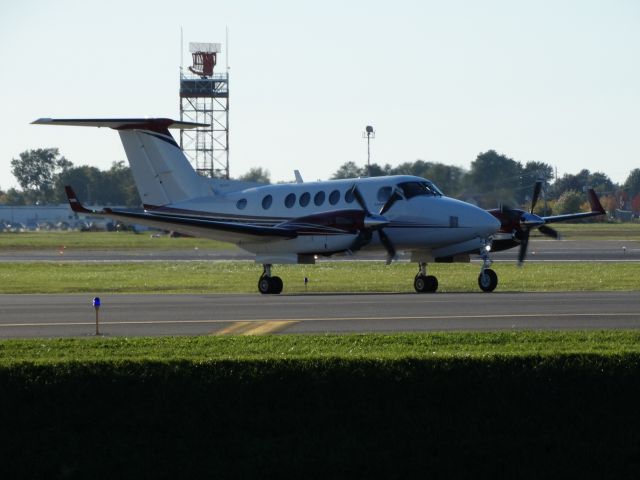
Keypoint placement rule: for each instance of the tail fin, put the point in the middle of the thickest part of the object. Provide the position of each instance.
(594, 202)
(162, 173)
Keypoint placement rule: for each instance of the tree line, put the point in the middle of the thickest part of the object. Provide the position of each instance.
(493, 179)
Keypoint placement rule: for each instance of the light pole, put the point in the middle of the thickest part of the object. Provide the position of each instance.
(369, 133)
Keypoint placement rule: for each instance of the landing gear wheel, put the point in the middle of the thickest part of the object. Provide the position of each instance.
(276, 285)
(270, 285)
(425, 283)
(265, 285)
(488, 280)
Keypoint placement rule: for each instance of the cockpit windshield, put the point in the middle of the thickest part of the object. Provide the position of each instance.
(413, 189)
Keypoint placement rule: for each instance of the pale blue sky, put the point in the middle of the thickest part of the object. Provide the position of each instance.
(552, 81)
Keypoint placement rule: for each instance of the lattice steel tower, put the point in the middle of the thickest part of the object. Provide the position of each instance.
(204, 98)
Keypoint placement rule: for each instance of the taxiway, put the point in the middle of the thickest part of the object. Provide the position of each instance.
(25, 316)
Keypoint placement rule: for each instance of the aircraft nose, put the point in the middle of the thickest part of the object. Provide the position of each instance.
(487, 223)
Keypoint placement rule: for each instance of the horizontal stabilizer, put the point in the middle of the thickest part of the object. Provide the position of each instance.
(153, 124)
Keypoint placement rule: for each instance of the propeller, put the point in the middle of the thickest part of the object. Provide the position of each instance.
(524, 221)
(376, 222)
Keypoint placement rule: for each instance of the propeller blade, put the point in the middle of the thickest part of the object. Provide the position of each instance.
(388, 245)
(536, 194)
(359, 198)
(524, 242)
(549, 232)
(395, 196)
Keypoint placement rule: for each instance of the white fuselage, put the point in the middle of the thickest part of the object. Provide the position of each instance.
(423, 222)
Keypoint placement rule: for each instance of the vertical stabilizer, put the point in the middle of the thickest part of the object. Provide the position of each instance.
(160, 169)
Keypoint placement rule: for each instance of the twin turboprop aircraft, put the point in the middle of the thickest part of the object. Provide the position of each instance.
(297, 223)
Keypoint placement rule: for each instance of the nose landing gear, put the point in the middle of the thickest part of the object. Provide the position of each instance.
(488, 279)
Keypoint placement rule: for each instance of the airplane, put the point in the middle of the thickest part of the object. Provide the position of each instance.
(299, 222)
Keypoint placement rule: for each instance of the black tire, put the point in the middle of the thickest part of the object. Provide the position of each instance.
(265, 285)
(488, 280)
(420, 283)
(276, 285)
(432, 283)
(425, 283)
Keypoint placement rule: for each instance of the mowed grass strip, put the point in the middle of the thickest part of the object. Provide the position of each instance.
(242, 277)
(410, 346)
(103, 241)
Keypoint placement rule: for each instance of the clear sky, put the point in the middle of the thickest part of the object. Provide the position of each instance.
(556, 81)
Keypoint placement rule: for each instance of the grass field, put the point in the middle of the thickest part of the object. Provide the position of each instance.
(102, 241)
(374, 347)
(242, 277)
(145, 241)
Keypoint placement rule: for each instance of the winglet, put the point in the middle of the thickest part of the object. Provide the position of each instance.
(596, 206)
(74, 203)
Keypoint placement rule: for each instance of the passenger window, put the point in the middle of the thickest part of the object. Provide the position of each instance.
(319, 198)
(290, 200)
(241, 204)
(349, 197)
(384, 193)
(334, 197)
(266, 202)
(304, 199)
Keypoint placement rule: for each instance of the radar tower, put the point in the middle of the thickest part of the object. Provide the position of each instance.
(204, 98)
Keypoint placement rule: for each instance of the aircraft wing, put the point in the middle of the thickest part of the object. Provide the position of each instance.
(596, 209)
(233, 232)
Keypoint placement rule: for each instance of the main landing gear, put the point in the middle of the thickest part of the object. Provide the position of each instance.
(268, 284)
(424, 283)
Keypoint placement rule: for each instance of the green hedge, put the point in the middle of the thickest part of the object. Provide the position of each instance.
(515, 416)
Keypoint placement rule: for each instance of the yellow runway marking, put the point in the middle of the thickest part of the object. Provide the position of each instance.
(256, 328)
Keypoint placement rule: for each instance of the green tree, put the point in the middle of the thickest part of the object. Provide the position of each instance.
(494, 179)
(375, 170)
(36, 169)
(632, 183)
(569, 202)
(534, 171)
(348, 170)
(84, 180)
(601, 182)
(583, 179)
(122, 185)
(257, 174)
(94, 186)
(14, 197)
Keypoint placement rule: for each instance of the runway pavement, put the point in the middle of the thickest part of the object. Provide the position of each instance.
(539, 250)
(24, 316)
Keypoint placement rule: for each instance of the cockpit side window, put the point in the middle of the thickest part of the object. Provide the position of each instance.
(414, 189)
